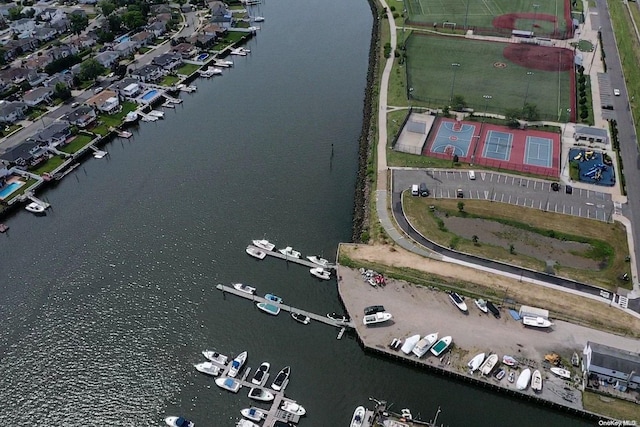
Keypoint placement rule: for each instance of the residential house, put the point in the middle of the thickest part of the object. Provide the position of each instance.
(157, 9)
(106, 101)
(53, 135)
(82, 116)
(51, 13)
(222, 20)
(613, 365)
(148, 73)
(11, 111)
(218, 8)
(45, 34)
(125, 48)
(157, 28)
(63, 51)
(66, 78)
(143, 38)
(15, 75)
(127, 87)
(214, 30)
(62, 25)
(82, 42)
(22, 26)
(108, 58)
(20, 46)
(186, 50)
(165, 18)
(35, 79)
(168, 61)
(37, 96)
(37, 62)
(202, 41)
(132, 90)
(23, 155)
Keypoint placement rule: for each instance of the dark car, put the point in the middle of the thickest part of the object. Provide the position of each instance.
(568, 189)
(373, 309)
(424, 191)
(460, 193)
(555, 186)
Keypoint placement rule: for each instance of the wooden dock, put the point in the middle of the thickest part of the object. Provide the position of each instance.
(301, 261)
(288, 308)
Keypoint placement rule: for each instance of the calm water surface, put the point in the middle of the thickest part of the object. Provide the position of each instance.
(106, 303)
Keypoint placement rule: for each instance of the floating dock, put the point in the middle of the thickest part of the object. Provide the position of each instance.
(301, 261)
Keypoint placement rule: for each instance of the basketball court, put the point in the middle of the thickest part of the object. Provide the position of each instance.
(453, 137)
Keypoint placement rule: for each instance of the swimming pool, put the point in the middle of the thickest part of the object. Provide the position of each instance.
(122, 39)
(7, 190)
(202, 57)
(149, 95)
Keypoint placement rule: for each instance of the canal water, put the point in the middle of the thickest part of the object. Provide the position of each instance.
(107, 302)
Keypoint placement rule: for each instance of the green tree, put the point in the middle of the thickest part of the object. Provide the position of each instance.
(530, 112)
(78, 22)
(15, 14)
(115, 24)
(460, 206)
(133, 19)
(30, 13)
(90, 69)
(62, 91)
(106, 7)
(512, 115)
(458, 103)
(474, 239)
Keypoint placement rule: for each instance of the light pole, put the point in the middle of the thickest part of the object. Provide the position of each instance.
(486, 105)
(526, 93)
(455, 67)
(535, 15)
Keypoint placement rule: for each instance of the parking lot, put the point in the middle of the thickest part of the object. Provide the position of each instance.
(520, 191)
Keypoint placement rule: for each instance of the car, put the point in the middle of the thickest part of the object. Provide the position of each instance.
(460, 193)
(616, 92)
(555, 186)
(98, 89)
(74, 104)
(424, 191)
(568, 189)
(373, 309)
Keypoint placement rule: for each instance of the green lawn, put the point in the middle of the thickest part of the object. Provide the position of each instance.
(35, 112)
(115, 120)
(169, 80)
(78, 142)
(187, 69)
(100, 129)
(49, 165)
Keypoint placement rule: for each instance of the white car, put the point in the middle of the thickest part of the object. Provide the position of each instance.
(616, 92)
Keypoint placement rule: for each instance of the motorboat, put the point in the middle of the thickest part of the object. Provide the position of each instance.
(493, 309)
(441, 346)
(376, 318)
(281, 379)
(500, 374)
(261, 394)
(223, 63)
(215, 357)
(290, 252)
(253, 413)
(319, 261)
(156, 113)
(238, 52)
(523, 379)
(210, 72)
(458, 302)
(268, 308)
(147, 118)
(230, 384)
(409, 344)
(237, 363)
(99, 154)
(488, 365)
(475, 362)
(482, 305)
(512, 376)
(425, 344)
(261, 374)
(320, 273)
(575, 359)
(536, 322)
(246, 423)
(208, 368)
(509, 361)
(256, 252)
(341, 318)
(536, 381)
(561, 372)
(3, 228)
(299, 317)
(373, 309)
(131, 117)
(124, 134)
(395, 343)
(244, 288)
(293, 408)
(178, 422)
(358, 417)
(273, 298)
(258, 18)
(263, 244)
(35, 208)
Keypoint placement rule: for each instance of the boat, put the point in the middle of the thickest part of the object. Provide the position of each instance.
(536, 381)
(536, 322)
(425, 344)
(409, 344)
(320, 273)
(208, 368)
(372, 319)
(246, 423)
(3, 228)
(244, 288)
(299, 317)
(255, 252)
(575, 359)
(319, 261)
(523, 379)
(264, 244)
(500, 374)
(261, 394)
(261, 374)
(124, 134)
(230, 384)
(258, 18)
(238, 52)
(440, 347)
(358, 417)
(562, 373)
(35, 208)
(99, 154)
(489, 363)
(395, 343)
(493, 309)
(210, 72)
(475, 362)
(509, 361)
(293, 408)
(215, 357)
(482, 305)
(289, 252)
(268, 308)
(131, 117)
(178, 422)
(156, 113)
(458, 302)
(281, 379)
(274, 298)
(253, 413)
(223, 63)
(341, 318)
(237, 363)
(512, 376)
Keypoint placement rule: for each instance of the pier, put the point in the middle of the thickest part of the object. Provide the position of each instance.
(301, 261)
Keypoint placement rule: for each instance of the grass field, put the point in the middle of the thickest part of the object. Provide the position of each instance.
(431, 75)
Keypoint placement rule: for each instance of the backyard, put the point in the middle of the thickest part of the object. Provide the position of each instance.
(115, 120)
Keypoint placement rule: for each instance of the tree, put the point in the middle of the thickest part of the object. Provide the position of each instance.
(90, 69)
(62, 91)
(474, 239)
(30, 13)
(530, 112)
(78, 22)
(133, 19)
(458, 103)
(460, 206)
(15, 14)
(512, 249)
(106, 7)
(115, 24)
(512, 115)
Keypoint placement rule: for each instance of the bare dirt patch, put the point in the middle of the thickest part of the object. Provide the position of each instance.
(539, 57)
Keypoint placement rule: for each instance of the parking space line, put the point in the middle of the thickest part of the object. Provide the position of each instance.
(564, 208)
(528, 183)
(513, 180)
(532, 202)
(540, 207)
(509, 199)
(518, 201)
(556, 208)
(502, 198)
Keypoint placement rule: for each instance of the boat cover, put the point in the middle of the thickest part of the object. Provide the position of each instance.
(229, 382)
(180, 422)
(235, 364)
(515, 315)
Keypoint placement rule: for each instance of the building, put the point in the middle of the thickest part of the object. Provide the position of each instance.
(149, 73)
(106, 101)
(168, 61)
(11, 112)
(591, 134)
(613, 365)
(37, 96)
(132, 90)
(23, 155)
(82, 116)
(53, 135)
(107, 58)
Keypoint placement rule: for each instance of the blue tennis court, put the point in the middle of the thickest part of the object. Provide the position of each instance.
(498, 145)
(453, 138)
(538, 151)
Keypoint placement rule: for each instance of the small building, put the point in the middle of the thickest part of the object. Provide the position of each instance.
(185, 50)
(107, 58)
(82, 116)
(131, 90)
(143, 38)
(168, 61)
(106, 101)
(613, 365)
(23, 155)
(37, 96)
(125, 48)
(53, 135)
(149, 73)
(591, 134)
(11, 112)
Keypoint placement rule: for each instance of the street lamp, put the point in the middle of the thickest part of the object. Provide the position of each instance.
(486, 104)
(535, 15)
(455, 66)
(526, 93)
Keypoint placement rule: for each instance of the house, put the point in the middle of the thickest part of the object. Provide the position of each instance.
(186, 50)
(143, 38)
(38, 62)
(106, 101)
(63, 51)
(157, 28)
(168, 61)
(37, 96)
(17, 75)
(62, 25)
(11, 112)
(132, 90)
(65, 78)
(51, 13)
(35, 78)
(108, 58)
(44, 34)
(203, 40)
(157, 9)
(124, 89)
(22, 26)
(82, 116)
(218, 8)
(148, 73)
(24, 154)
(81, 42)
(53, 135)
(214, 30)
(125, 48)
(613, 365)
(20, 46)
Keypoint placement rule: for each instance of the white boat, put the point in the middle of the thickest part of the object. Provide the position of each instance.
(475, 362)
(536, 381)
(244, 288)
(258, 19)
(246, 423)
(293, 408)
(299, 317)
(500, 374)
(425, 344)
(482, 305)
(223, 63)
(512, 376)
(320, 273)
(264, 244)
(440, 347)
(458, 302)
(339, 318)
(358, 417)
(147, 118)
(35, 208)
(509, 361)
(289, 252)
(380, 317)
(261, 394)
(156, 113)
(256, 252)
(238, 51)
(210, 72)
(124, 134)
(409, 344)
(273, 298)
(319, 261)
(168, 104)
(237, 363)
(230, 384)
(523, 379)
(488, 365)
(536, 322)
(131, 117)
(269, 308)
(562, 373)
(253, 413)
(178, 422)
(261, 374)
(281, 379)
(99, 154)
(208, 368)
(215, 357)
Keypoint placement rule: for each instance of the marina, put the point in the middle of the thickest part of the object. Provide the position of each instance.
(277, 254)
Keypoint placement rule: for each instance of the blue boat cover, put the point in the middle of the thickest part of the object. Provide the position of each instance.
(180, 422)
(514, 314)
(229, 382)
(252, 411)
(235, 364)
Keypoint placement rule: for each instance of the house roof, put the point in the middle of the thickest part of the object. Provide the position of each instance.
(8, 107)
(36, 93)
(53, 131)
(124, 83)
(588, 130)
(107, 55)
(147, 70)
(614, 358)
(182, 47)
(78, 113)
(101, 98)
(141, 36)
(21, 151)
(125, 46)
(166, 58)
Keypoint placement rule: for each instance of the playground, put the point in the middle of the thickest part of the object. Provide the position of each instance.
(528, 151)
(593, 167)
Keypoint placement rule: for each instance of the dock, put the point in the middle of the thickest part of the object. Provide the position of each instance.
(301, 261)
(34, 199)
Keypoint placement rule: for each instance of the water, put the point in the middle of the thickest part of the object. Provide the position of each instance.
(107, 301)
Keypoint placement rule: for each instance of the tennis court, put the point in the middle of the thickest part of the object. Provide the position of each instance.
(538, 151)
(498, 145)
(453, 137)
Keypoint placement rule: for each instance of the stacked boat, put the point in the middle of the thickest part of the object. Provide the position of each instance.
(475, 363)
(423, 346)
(488, 365)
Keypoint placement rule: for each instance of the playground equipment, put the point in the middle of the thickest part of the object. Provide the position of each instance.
(578, 157)
(596, 171)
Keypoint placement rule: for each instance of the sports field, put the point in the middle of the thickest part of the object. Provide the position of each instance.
(549, 18)
(491, 76)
